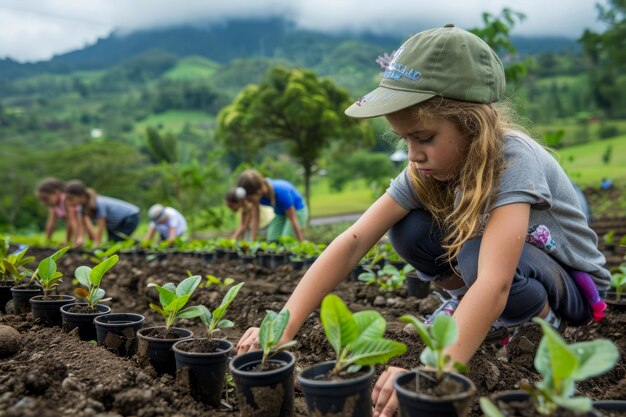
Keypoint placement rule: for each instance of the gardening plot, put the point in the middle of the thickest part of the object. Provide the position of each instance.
(56, 374)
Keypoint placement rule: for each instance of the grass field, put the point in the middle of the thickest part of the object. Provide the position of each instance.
(190, 68)
(355, 198)
(173, 121)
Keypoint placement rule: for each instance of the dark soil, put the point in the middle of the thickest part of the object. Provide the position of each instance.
(82, 309)
(56, 374)
(198, 346)
(160, 333)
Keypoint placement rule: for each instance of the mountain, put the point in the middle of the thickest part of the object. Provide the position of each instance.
(272, 38)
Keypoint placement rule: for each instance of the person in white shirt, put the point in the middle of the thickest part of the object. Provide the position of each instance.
(167, 221)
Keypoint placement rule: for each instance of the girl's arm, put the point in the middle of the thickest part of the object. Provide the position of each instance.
(71, 225)
(88, 224)
(243, 225)
(51, 223)
(171, 235)
(333, 265)
(254, 220)
(500, 251)
(150, 234)
(99, 230)
(290, 213)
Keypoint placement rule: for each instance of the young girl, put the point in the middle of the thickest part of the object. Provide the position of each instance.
(168, 221)
(51, 192)
(118, 217)
(235, 200)
(482, 209)
(289, 208)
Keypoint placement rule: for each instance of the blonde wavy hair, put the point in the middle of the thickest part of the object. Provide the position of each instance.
(477, 177)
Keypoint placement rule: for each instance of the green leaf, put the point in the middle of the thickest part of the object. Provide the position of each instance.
(228, 281)
(213, 280)
(225, 324)
(370, 324)
(218, 313)
(280, 323)
(428, 357)
(188, 286)
(99, 270)
(562, 360)
(577, 404)
(166, 296)
(205, 316)
(177, 304)
(158, 309)
(190, 312)
(47, 268)
(596, 357)
(489, 408)
(82, 275)
(422, 329)
(339, 324)
(99, 295)
(366, 276)
(444, 330)
(10, 267)
(56, 255)
(265, 333)
(375, 351)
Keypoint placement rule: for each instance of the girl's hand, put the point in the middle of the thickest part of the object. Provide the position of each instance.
(249, 341)
(384, 395)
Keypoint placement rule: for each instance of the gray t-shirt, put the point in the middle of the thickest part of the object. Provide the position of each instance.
(557, 224)
(113, 210)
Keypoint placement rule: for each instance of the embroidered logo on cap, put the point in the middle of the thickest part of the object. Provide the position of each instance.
(396, 71)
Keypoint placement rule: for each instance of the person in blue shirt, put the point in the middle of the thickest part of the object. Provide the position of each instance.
(290, 210)
(119, 217)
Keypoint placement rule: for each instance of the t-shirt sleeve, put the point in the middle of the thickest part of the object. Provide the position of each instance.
(401, 190)
(523, 179)
(101, 211)
(284, 199)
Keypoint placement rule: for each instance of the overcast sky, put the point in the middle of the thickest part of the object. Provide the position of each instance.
(34, 30)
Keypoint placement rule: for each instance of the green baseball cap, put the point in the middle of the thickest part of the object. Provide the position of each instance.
(448, 62)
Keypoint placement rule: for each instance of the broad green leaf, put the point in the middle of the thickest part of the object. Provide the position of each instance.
(444, 330)
(375, 351)
(99, 270)
(218, 313)
(99, 295)
(47, 268)
(370, 324)
(489, 408)
(177, 304)
(562, 360)
(82, 275)
(188, 286)
(225, 324)
(205, 316)
(366, 276)
(8, 266)
(286, 346)
(166, 296)
(577, 404)
(339, 324)
(170, 287)
(228, 281)
(422, 329)
(265, 331)
(428, 358)
(190, 312)
(279, 325)
(56, 255)
(596, 357)
(158, 309)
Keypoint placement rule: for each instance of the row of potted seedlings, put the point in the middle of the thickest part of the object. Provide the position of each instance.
(338, 387)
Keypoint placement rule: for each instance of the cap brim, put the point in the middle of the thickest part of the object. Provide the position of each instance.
(385, 101)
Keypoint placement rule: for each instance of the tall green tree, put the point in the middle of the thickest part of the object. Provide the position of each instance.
(605, 55)
(293, 107)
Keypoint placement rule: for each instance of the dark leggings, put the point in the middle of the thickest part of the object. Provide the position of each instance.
(123, 230)
(538, 277)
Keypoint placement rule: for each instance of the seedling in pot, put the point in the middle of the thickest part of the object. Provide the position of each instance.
(46, 274)
(13, 265)
(271, 330)
(388, 278)
(437, 337)
(561, 366)
(90, 278)
(358, 339)
(214, 321)
(173, 298)
(618, 281)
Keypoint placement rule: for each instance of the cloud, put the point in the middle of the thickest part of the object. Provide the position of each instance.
(38, 29)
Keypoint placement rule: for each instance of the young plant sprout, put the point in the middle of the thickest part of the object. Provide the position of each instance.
(388, 278)
(618, 281)
(561, 365)
(438, 336)
(358, 339)
(214, 321)
(271, 330)
(100, 255)
(213, 280)
(13, 265)
(173, 298)
(90, 279)
(46, 273)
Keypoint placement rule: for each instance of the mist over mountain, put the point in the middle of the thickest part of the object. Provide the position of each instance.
(233, 39)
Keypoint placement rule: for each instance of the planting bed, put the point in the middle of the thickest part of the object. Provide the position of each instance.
(56, 374)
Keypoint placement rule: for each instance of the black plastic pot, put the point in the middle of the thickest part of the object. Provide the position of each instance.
(208, 257)
(5, 297)
(265, 260)
(524, 397)
(84, 321)
(247, 259)
(118, 332)
(220, 253)
(416, 287)
(278, 259)
(347, 397)
(159, 351)
(264, 393)
(296, 264)
(21, 298)
(358, 270)
(231, 255)
(412, 403)
(617, 406)
(309, 261)
(48, 311)
(206, 371)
